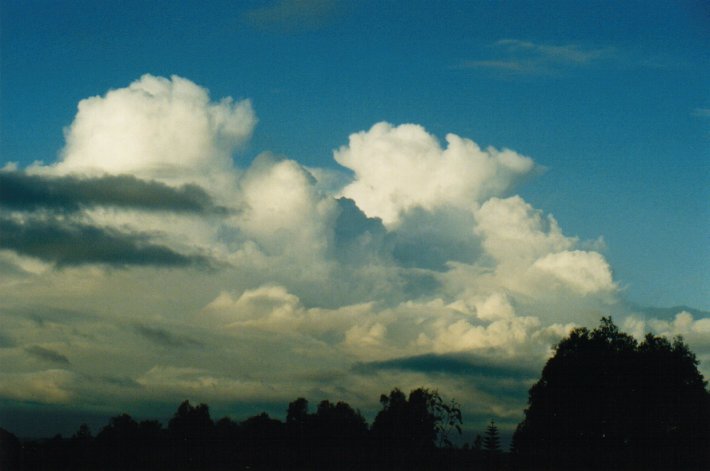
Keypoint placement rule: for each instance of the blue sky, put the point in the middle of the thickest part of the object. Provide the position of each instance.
(611, 101)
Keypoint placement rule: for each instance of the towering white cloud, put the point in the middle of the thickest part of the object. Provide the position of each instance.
(423, 252)
(156, 128)
(404, 167)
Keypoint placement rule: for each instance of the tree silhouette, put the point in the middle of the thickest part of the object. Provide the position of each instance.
(478, 443)
(491, 439)
(491, 447)
(10, 450)
(406, 429)
(606, 402)
(190, 431)
(118, 442)
(264, 440)
(334, 437)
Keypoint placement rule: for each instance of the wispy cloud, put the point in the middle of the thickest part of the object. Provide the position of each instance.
(515, 56)
(568, 53)
(294, 16)
(165, 338)
(46, 354)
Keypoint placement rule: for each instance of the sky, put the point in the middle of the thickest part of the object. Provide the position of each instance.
(241, 203)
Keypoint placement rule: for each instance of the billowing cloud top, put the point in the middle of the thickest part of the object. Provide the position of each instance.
(263, 285)
(156, 128)
(404, 167)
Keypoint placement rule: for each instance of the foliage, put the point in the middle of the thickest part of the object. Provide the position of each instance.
(605, 401)
(420, 421)
(491, 439)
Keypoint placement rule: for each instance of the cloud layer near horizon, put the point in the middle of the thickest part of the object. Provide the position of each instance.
(146, 263)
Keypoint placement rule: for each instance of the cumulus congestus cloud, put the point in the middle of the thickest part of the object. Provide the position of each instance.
(414, 264)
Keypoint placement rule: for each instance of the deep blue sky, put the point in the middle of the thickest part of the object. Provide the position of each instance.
(613, 98)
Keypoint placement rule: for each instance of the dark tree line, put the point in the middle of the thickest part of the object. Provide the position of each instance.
(604, 401)
(410, 432)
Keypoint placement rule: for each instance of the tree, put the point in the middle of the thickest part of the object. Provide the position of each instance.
(491, 439)
(478, 443)
(191, 423)
(190, 431)
(339, 424)
(605, 401)
(297, 412)
(83, 433)
(10, 450)
(119, 442)
(419, 422)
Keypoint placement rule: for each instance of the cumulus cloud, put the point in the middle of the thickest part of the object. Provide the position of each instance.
(586, 272)
(156, 128)
(512, 231)
(421, 262)
(284, 212)
(399, 168)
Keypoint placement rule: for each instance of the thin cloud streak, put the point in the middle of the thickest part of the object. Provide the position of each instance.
(46, 354)
(167, 339)
(568, 53)
(518, 57)
(294, 16)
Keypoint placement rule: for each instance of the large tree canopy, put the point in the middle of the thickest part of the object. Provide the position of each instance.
(606, 401)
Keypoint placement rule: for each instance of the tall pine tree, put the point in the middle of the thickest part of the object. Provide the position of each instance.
(491, 439)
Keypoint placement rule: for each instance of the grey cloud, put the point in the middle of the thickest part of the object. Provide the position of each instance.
(419, 242)
(358, 238)
(118, 381)
(47, 354)
(449, 365)
(164, 338)
(505, 382)
(40, 314)
(19, 191)
(6, 341)
(70, 244)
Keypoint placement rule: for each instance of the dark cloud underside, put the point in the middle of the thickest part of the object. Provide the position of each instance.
(67, 244)
(46, 354)
(446, 364)
(164, 338)
(19, 191)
